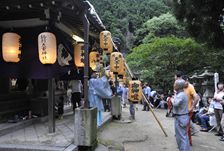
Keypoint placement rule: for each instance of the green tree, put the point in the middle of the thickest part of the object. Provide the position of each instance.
(203, 19)
(162, 26)
(157, 61)
(124, 17)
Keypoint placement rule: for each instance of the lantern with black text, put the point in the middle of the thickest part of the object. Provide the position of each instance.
(47, 47)
(116, 62)
(123, 69)
(106, 42)
(135, 91)
(94, 59)
(79, 54)
(11, 47)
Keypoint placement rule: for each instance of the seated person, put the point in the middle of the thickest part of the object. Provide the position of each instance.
(206, 117)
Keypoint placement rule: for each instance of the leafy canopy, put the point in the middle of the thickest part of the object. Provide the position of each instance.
(157, 61)
(203, 19)
(162, 26)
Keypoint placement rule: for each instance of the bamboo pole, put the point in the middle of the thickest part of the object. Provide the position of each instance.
(149, 104)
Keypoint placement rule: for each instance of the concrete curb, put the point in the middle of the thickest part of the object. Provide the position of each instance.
(18, 147)
(22, 124)
(107, 119)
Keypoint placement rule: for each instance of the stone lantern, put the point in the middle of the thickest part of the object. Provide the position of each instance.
(207, 85)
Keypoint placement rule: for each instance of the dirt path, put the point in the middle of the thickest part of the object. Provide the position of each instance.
(144, 134)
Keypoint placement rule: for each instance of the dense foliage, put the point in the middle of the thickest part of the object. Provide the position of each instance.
(157, 61)
(162, 26)
(124, 17)
(203, 19)
(167, 35)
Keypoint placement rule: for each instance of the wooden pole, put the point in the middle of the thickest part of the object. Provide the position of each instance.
(86, 59)
(149, 104)
(51, 104)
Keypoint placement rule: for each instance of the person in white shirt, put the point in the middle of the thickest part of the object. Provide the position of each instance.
(76, 93)
(218, 109)
(124, 95)
(147, 93)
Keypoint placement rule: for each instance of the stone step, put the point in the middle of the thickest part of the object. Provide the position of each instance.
(19, 147)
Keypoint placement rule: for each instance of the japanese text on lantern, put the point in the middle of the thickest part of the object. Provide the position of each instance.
(135, 90)
(43, 47)
(82, 54)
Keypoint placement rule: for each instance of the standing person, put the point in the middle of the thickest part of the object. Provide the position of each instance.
(76, 93)
(99, 88)
(218, 109)
(60, 107)
(124, 95)
(180, 110)
(147, 93)
(170, 106)
(192, 102)
(178, 75)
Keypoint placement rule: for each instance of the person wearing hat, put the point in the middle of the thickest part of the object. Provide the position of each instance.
(99, 88)
(180, 110)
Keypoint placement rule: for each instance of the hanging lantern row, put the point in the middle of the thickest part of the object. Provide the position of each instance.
(135, 91)
(47, 47)
(106, 42)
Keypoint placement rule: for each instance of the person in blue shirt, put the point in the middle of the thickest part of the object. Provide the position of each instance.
(147, 93)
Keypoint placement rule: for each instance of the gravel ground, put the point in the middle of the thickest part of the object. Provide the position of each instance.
(144, 134)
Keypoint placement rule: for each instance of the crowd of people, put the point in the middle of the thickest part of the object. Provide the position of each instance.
(184, 104)
(185, 107)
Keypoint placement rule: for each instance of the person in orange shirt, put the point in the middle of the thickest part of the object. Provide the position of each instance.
(193, 99)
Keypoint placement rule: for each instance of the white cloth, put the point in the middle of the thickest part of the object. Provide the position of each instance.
(76, 86)
(153, 93)
(219, 96)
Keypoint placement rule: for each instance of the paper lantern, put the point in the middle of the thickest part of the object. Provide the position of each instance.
(106, 42)
(47, 47)
(79, 54)
(94, 59)
(135, 91)
(116, 62)
(11, 47)
(123, 69)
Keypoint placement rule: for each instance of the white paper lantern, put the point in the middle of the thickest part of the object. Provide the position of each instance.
(11, 47)
(79, 55)
(47, 47)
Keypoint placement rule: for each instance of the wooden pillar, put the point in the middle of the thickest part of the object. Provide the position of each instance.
(51, 104)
